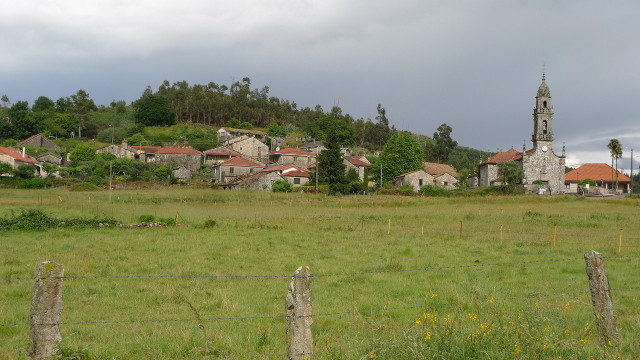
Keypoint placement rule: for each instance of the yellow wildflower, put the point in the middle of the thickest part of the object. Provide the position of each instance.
(433, 296)
(427, 336)
(491, 300)
(373, 355)
(418, 322)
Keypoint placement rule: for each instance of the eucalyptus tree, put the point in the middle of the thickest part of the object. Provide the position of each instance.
(615, 148)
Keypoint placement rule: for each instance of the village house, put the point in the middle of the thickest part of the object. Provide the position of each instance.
(292, 156)
(359, 163)
(39, 141)
(188, 157)
(260, 182)
(605, 177)
(234, 168)
(543, 169)
(119, 151)
(227, 133)
(50, 157)
(15, 159)
(444, 175)
(219, 154)
(249, 146)
(181, 173)
(415, 179)
(295, 175)
(315, 147)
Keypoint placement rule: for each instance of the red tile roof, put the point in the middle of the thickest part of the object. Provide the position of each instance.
(240, 161)
(280, 168)
(356, 160)
(257, 132)
(175, 150)
(16, 155)
(145, 149)
(597, 172)
(295, 173)
(509, 155)
(291, 151)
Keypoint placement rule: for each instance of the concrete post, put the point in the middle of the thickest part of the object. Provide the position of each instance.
(299, 311)
(601, 299)
(46, 308)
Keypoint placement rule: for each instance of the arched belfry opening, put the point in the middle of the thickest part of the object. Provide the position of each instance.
(544, 126)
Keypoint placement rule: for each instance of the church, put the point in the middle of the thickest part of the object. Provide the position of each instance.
(543, 169)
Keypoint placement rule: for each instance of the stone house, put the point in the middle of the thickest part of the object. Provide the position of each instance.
(259, 182)
(50, 157)
(188, 157)
(604, 175)
(359, 163)
(15, 159)
(235, 168)
(249, 146)
(295, 175)
(489, 175)
(40, 141)
(181, 173)
(415, 179)
(542, 167)
(219, 154)
(227, 133)
(292, 156)
(315, 147)
(120, 151)
(444, 175)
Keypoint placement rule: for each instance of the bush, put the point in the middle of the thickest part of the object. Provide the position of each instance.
(281, 186)
(430, 190)
(39, 220)
(169, 221)
(209, 224)
(146, 218)
(35, 183)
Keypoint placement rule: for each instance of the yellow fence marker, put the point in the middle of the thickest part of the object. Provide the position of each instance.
(501, 238)
(620, 242)
(389, 227)
(422, 228)
(555, 235)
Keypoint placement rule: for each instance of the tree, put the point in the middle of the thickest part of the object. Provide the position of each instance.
(138, 140)
(281, 186)
(22, 120)
(400, 155)
(6, 169)
(331, 167)
(83, 152)
(443, 144)
(511, 172)
(5, 100)
(615, 148)
(82, 106)
(321, 129)
(43, 103)
(153, 110)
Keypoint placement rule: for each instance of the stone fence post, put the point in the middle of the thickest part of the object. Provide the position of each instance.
(46, 307)
(601, 299)
(298, 309)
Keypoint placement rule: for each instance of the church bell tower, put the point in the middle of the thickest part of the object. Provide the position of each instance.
(543, 119)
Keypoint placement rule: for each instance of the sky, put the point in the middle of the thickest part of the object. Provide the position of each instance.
(474, 65)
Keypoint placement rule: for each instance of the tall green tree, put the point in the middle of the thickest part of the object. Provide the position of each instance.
(443, 144)
(329, 125)
(400, 155)
(331, 167)
(615, 148)
(43, 103)
(511, 172)
(22, 120)
(82, 106)
(154, 110)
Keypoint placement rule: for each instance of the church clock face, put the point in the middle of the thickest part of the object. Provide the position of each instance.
(544, 148)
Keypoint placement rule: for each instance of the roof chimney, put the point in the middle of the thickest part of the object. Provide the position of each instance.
(24, 152)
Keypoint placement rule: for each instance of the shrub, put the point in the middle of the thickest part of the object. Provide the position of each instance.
(169, 221)
(84, 186)
(35, 183)
(430, 190)
(281, 186)
(146, 218)
(209, 224)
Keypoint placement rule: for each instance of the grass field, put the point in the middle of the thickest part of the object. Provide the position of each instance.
(394, 277)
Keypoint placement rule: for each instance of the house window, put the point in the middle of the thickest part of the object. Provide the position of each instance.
(445, 183)
(296, 181)
(230, 170)
(420, 182)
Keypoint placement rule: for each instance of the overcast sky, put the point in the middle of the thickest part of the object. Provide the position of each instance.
(475, 65)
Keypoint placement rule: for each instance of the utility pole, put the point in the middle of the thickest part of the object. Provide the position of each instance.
(317, 174)
(631, 185)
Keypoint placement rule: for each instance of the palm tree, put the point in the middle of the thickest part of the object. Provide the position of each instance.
(615, 148)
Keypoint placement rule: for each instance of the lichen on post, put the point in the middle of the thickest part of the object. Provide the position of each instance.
(298, 307)
(46, 309)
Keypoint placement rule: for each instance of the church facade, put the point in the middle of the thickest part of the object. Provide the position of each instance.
(542, 167)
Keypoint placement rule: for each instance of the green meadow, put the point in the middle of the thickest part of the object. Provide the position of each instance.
(393, 277)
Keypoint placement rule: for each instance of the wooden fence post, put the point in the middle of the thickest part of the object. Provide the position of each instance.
(46, 307)
(298, 309)
(601, 299)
